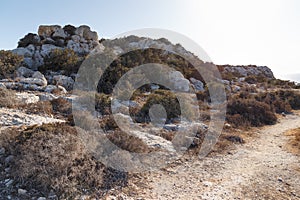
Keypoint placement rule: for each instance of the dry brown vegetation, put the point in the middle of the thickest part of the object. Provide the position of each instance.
(294, 142)
(8, 98)
(245, 109)
(52, 157)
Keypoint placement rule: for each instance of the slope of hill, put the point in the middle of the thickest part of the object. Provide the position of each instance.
(43, 154)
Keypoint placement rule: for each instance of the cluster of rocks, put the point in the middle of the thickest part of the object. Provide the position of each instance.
(251, 70)
(35, 47)
(28, 79)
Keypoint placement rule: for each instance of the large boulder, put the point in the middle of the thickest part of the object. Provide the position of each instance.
(80, 48)
(179, 82)
(199, 86)
(47, 48)
(60, 33)
(26, 52)
(24, 72)
(37, 79)
(47, 31)
(85, 32)
(65, 81)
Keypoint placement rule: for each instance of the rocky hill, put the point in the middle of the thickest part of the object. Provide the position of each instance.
(43, 155)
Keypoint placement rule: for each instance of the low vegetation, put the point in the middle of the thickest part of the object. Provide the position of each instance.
(8, 98)
(64, 60)
(9, 62)
(259, 109)
(53, 158)
(294, 142)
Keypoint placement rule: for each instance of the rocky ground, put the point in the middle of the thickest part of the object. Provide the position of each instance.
(259, 169)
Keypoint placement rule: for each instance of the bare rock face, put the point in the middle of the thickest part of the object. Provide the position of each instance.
(244, 71)
(47, 31)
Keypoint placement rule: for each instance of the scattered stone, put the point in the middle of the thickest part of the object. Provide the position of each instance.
(8, 182)
(171, 127)
(154, 87)
(235, 88)
(22, 191)
(207, 183)
(42, 198)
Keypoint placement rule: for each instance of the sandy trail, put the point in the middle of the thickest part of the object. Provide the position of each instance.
(259, 169)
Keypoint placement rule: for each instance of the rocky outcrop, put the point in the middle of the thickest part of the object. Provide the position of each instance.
(35, 47)
(243, 71)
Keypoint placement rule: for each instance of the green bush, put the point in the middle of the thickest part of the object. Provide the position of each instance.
(165, 98)
(62, 59)
(9, 62)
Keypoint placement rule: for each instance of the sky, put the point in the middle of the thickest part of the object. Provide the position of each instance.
(237, 32)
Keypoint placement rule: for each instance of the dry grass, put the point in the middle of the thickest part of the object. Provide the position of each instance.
(128, 142)
(41, 108)
(52, 157)
(8, 98)
(294, 141)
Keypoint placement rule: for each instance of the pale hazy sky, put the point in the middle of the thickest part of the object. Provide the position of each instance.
(238, 32)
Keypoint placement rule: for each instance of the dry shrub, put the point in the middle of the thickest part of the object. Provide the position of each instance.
(163, 97)
(128, 142)
(238, 120)
(294, 143)
(85, 120)
(41, 107)
(108, 123)
(103, 103)
(62, 59)
(252, 111)
(8, 98)
(281, 100)
(62, 106)
(9, 62)
(53, 157)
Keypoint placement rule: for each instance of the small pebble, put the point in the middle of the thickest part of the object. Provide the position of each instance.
(22, 191)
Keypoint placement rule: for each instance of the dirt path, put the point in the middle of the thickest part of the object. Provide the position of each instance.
(259, 169)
